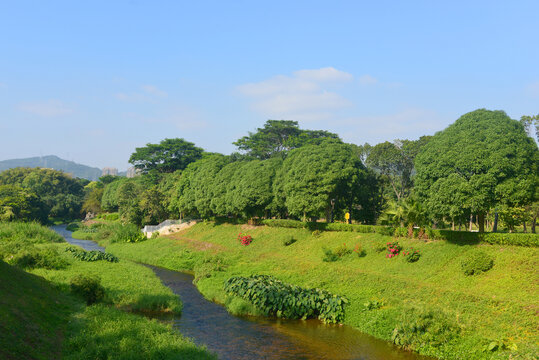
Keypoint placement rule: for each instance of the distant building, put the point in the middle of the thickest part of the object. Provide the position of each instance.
(132, 172)
(109, 171)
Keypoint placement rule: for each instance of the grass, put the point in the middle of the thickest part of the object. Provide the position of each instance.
(433, 294)
(41, 319)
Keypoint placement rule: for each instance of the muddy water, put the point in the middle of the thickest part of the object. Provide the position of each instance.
(232, 337)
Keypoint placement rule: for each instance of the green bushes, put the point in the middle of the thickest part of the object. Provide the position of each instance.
(28, 232)
(73, 226)
(460, 237)
(31, 257)
(109, 216)
(337, 254)
(276, 298)
(88, 287)
(126, 233)
(93, 255)
(289, 240)
(476, 262)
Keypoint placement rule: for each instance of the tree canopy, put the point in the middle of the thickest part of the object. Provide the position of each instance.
(482, 160)
(279, 137)
(166, 157)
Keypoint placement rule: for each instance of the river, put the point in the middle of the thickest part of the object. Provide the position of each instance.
(239, 338)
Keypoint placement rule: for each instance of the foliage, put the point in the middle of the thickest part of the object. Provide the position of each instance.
(74, 226)
(208, 266)
(373, 305)
(425, 327)
(289, 240)
(18, 204)
(28, 233)
(393, 249)
(482, 160)
(476, 262)
(166, 157)
(122, 233)
(93, 255)
(529, 123)
(92, 200)
(279, 299)
(411, 255)
(109, 216)
(337, 254)
(245, 239)
(58, 195)
(502, 344)
(277, 137)
(88, 287)
(360, 251)
(313, 175)
(31, 257)
(109, 199)
(513, 216)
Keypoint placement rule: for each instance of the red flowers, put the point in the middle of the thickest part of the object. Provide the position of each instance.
(245, 239)
(393, 249)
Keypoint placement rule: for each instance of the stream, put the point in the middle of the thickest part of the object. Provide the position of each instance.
(233, 337)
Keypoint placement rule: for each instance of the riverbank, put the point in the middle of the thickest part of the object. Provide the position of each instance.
(42, 319)
(441, 311)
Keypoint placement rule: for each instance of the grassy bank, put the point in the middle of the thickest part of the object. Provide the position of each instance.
(430, 305)
(41, 319)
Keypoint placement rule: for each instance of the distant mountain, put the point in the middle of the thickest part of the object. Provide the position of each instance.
(54, 162)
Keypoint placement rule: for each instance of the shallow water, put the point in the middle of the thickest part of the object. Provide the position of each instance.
(241, 338)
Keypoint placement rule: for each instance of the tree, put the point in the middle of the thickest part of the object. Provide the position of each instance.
(277, 137)
(482, 160)
(313, 175)
(20, 204)
(166, 157)
(531, 122)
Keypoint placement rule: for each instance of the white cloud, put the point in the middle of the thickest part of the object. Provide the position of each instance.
(368, 80)
(153, 90)
(51, 108)
(327, 74)
(148, 93)
(304, 96)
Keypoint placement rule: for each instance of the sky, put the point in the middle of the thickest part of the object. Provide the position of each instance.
(90, 81)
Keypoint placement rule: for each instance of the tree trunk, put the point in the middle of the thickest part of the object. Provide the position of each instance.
(481, 222)
(471, 223)
(495, 225)
(524, 224)
(453, 225)
(533, 224)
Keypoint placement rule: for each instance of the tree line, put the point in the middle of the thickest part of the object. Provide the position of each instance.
(482, 169)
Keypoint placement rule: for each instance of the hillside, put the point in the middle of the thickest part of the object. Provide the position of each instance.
(54, 162)
(457, 315)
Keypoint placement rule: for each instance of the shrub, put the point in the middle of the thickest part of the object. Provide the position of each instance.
(122, 233)
(74, 226)
(276, 298)
(360, 252)
(373, 305)
(411, 255)
(245, 239)
(93, 255)
(289, 241)
(155, 235)
(88, 287)
(337, 254)
(427, 327)
(32, 257)
(393, 249)
(476, 262)
(316, 233)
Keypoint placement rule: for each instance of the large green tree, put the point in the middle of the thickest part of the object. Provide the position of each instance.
(482, 160)
(313, 175)
(277, 137)
(166, 157)
(18, 204)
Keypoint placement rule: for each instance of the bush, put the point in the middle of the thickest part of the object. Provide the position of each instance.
(393, 249)
(360, 252)
(316, 233)
(74, 226)
(155, 235)
(476, 262)
(88, 287)
(93, 255)
(289, 241)
(411, 255)
(31, 257)
(122, 233)
(245, 239)
(337, 254)
(109, 216)
(276, 298)
(284, 223)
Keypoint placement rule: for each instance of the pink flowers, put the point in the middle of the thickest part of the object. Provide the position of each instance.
(245, 239)
(393, 249)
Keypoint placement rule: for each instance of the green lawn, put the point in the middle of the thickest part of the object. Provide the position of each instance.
(469, 312)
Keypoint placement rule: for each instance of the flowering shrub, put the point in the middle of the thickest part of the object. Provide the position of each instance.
(411, 255)
(393, 249)
(360, 251)
(245, 239)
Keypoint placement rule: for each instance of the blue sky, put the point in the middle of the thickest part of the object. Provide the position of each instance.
(91, 81)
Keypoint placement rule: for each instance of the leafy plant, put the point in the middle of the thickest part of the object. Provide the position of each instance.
(337, 254)
(360, 251)
(276, 298)
(411, 255)
(503, 344)
(289, 241)
(373, 305)
(476, 262)
(245, 239)
(393, 249)
(316, 233)
(93, 255)
(88, 287)
(30, 257)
